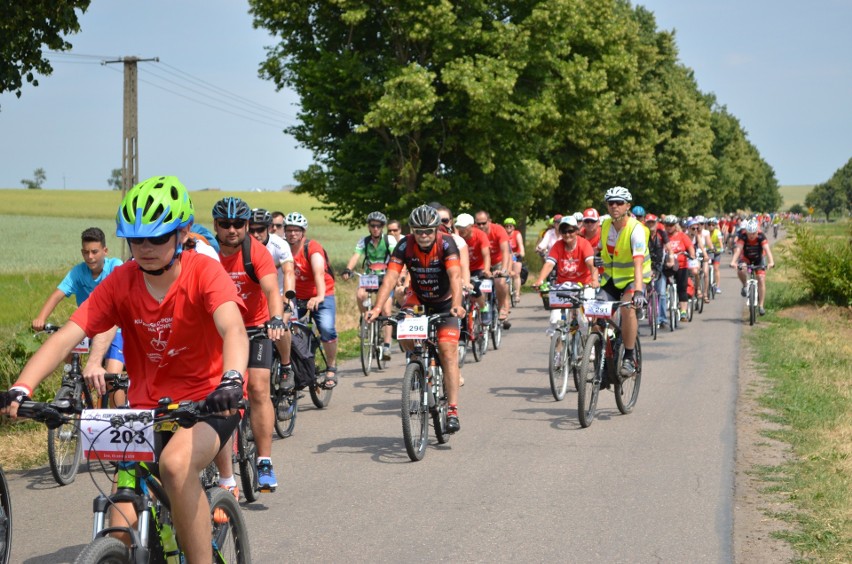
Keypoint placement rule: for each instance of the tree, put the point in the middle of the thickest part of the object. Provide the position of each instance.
(114, 181)
(36, 183)
(798, 209)
(826, 197)
(28, 27)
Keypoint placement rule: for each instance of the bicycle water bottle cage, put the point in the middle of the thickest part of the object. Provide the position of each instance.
(419, 309)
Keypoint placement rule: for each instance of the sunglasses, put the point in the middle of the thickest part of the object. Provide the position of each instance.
(616, 203)
(259, 229)
(156, 241)
(482, 223)
(423, 232)
(277, 226)
(568, 231)
(236, 224)
(375, 225)
(393, 230)
(445, 220)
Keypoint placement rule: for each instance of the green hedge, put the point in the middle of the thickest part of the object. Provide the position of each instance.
(824, 263)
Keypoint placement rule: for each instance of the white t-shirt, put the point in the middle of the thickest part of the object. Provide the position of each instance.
(203, 248)
(280, 251)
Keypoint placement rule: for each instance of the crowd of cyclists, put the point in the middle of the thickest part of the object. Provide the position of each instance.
(178, 315)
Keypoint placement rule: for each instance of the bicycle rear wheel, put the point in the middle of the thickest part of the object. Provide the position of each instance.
(653, 306)
(365, 331)
(627, 389)
(591, 373)
(479, 343)
(286, 409)
(230, 532)
(674, 314)
(575, 347)
(699, 302)
(5, 520)
(320, 395)
(558, 360)
(64, 447)
(496, 333)
(104, 550)
(752, 303)
(415, 416)
(247, 458)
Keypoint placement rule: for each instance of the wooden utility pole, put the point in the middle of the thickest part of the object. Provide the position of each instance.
(130, 147)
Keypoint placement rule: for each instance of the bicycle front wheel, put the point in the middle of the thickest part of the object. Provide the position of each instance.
(439, 412)
(496, 333)
(64, 447)
(5, 520)
(752, 303)
(230, 533)
(247, 458)
(591, 373)
(479, 343)
(575, 348)
(558, 360)
(415, 416)
(674, 314)
(365, 330)
(653, 306)
(105, 550)
(699, 303)
(320, 395)
(627, 389)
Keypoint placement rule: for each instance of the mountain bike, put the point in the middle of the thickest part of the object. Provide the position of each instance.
(712, 275)
(495, 324)
(672, 301)
(567, 341)
(751, 291)
(5, 520)
(132, 440)
(700, 290)
(284, 401)
(64, 450)
(320, 395)
(474, 330)
(423, 393)
(602, 359)
(369, 333)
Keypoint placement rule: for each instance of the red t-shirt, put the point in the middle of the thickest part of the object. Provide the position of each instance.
(681, 243)
(305, 286)
(496, 235)
(171, 348)
(257, 309)
(571, 265)
(594, 241)
(477, 241)
(515, 241)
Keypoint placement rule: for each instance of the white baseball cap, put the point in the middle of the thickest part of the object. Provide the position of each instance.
(464, 220)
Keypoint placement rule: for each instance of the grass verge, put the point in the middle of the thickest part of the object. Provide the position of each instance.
(806, 351)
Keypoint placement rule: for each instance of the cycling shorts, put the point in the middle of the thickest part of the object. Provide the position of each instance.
(223, 426)
(608, 292)
(116, 349)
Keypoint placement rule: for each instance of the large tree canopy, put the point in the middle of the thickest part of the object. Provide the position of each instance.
(523, 108)
(28, 27)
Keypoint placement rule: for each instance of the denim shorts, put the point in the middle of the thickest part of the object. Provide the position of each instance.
(324, 317)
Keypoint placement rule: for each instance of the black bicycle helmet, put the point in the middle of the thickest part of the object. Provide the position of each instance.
(424, 216)
(260, 216)
(231, 208)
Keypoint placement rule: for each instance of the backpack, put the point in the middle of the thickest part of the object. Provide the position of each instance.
(247, 265)
(302, 349)
(328, 267)
(387, 249)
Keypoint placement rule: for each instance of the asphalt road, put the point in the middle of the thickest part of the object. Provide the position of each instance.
(521, 481)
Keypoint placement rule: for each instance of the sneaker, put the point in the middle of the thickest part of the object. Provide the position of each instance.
(683, 316)
(288, 378)
(663, 325)
(266, 481)
(761, 311)
(628, 367)
(386, 352)
(453, 425)
(507, 324)
(743, 292)
(219, 516)
(718, 290)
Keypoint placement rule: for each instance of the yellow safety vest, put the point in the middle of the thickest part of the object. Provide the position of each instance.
(619, 268)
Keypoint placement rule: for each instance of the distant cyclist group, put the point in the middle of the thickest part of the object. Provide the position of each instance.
(208, 316)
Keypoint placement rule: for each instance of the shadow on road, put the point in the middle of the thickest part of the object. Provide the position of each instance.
(67, 554)
(384, 407)
(386, 450)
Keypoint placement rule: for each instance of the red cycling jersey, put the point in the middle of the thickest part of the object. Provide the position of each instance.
(171, 349)
(257, 309)
(428, 270)
(681, 244)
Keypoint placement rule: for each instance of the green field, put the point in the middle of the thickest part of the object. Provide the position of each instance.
(794, 195)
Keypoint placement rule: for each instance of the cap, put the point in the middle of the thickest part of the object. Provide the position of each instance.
(591, 213)
(464, 220)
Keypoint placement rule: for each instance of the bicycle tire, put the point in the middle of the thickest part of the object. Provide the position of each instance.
(478, 342)
(703, 291)
(230, 538)
(511, 285)
(576, 346)
(105, 550)
(320, 395)
(752, 304)
(627, 389)
(286, 407)
(247, 459)
(557, 364)
(690, 309)
(377, 346)
(415, 415)
(64, 447)
(5, 520)
(496, 334)
(439, 413)
(367, 351)
(591, 373)
(653, 306)
(713, 283)
(674, 314)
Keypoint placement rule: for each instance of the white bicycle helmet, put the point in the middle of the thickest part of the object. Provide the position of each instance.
(751, 226)
(578, 216)
(618, 193)
(296, 219)
(670, 220)
(424, 216)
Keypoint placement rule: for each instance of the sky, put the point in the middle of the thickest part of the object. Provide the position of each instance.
(781, 67)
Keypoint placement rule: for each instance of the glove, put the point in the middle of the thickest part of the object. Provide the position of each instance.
(276, 323)
(346, 273)
(599, 262)
(227, 394)
(15, 394)
(639, 300)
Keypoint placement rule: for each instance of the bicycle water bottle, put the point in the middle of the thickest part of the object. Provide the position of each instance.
(170, 547)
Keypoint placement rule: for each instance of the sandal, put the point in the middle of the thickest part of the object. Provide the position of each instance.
(330, 379)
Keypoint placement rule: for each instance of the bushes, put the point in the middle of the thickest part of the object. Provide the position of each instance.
(824, 264)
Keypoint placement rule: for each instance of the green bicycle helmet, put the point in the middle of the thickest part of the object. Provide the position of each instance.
(154, 207)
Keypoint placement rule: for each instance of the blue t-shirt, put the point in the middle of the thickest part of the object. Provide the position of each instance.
(79, 279)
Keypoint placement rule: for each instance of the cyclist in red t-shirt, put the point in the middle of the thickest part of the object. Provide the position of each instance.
(516, 245)
(479, 256)
(680, 245)
(501, 261)
(183, 338)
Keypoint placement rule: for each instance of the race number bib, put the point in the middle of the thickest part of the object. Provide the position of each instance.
(132, 441)
(369, 282)
(693, 263)
(412, 328)
(557, 302)
(596, 308)
(82, 347)
(589, 293)
(486, 285)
